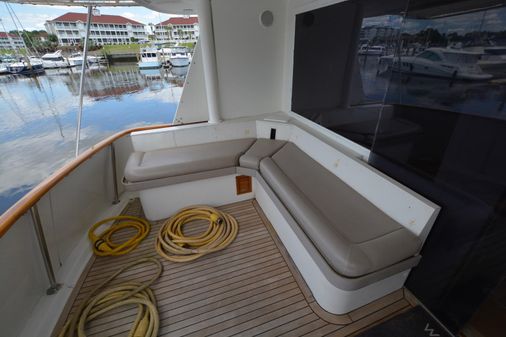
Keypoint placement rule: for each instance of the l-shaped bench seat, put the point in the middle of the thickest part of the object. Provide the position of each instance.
(355, 238)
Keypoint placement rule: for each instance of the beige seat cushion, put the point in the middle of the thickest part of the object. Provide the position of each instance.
(142, 166)
(354, 236)
(259, 150)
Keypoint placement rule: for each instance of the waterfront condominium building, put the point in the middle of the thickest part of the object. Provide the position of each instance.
(10, 41)
(178, 29)
(70, 29)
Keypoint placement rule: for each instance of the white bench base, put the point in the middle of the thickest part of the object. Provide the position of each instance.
(162, 202)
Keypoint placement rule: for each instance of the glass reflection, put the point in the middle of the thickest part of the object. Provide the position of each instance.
(442, 132)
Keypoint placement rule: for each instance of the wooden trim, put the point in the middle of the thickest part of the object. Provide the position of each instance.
(243, 184)
(10, 216)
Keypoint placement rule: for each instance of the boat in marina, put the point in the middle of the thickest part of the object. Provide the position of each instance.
(493, 60)
(32, 66)
(307, 229)
(3, 69)
(438, 62)
(75, 59)
(149, 58)
(372, 50)
(5, 61)
(96, 59)
(176, 56)
(55, 60)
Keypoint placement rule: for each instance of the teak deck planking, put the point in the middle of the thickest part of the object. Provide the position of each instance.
(252, 288)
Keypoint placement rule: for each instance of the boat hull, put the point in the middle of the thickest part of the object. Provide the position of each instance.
(55, 64)
(410, 67)
(76, 62)
(179, 61)
(149, 65)
(371, 53)
(24, 69)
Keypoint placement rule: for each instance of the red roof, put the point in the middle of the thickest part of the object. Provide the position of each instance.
(180, 20)
(73, 17)
(4, 35)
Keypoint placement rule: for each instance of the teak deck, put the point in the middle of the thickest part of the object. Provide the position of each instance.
(250, 288)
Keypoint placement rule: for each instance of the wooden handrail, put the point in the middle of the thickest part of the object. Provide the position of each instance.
(10, 216)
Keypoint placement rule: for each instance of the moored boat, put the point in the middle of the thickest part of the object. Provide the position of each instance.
(3, 69)
(76, 59)
(372, 50)
(439, 62)
(54, 60)
(24, 67)
(149, 58)
(5, 61)
(179, 57)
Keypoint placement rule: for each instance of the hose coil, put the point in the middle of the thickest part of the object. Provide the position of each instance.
(173, 245)
(147, 321)
(103, 244)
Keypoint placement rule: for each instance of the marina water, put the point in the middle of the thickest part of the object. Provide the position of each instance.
(38, 117)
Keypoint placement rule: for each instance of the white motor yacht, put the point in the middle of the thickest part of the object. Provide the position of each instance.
(3, 69)
(439, 62)
(372, 50)
(75, 59)
(179, 56)
(32, 66)
(493, 60)
(149, 58)
(5, 61)
(55, 60)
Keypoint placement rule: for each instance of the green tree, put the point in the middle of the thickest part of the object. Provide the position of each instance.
(52, 38)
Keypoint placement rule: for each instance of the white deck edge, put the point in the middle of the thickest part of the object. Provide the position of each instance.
(46, 312)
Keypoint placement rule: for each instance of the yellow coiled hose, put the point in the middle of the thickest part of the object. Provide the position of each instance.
(103, 244)
(174, 246)
(147, 321)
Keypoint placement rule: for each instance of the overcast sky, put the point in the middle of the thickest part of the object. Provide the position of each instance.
(33, 17)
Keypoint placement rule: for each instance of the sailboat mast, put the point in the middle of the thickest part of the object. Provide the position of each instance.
(81, 83)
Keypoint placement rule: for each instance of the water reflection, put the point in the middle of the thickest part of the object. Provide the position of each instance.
(38, 119)
(483, 98)
(455, 63)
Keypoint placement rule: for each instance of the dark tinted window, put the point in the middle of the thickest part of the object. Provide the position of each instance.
(423, 86)
(336, 80)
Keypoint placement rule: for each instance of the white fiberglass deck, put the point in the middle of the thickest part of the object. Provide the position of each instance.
(250, 288)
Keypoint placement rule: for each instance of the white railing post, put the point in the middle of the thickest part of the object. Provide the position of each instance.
(209, 59)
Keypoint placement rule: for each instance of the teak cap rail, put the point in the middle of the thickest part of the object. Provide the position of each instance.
(10, 216)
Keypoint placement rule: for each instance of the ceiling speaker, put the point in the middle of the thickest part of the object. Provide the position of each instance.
(266, 18)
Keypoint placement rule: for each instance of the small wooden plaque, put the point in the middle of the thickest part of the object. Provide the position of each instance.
(243, 184)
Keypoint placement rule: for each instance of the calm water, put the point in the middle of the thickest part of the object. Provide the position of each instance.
(38, 117)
